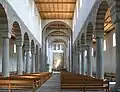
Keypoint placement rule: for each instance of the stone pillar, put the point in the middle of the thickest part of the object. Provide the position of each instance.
(117, 26)
(5, 57)
(33, 62)
(80, 63)
(19, 59)
(83, 62)
(74, 62)
(37, 62)
(115, 12)
(24, 61)
(28, 66)
(78, 56)
(77, 62)
(89, 60)
(99, 58)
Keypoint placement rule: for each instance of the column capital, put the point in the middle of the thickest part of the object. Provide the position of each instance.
(19, 43)
(115, 10)
(5, 34)
(27, 49)
(89, 42)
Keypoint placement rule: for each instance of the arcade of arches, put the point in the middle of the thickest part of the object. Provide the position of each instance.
(60, 35)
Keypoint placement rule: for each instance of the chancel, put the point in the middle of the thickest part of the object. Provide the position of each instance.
(59, 45)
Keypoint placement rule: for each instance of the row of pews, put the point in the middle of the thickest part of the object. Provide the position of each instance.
(110, 77)
(24, 82)
(84, 83)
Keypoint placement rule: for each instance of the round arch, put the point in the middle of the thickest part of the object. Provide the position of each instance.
(32, 46)
(16, 30)
(3, 20)
(101, 12)
(90, 31)
(55, 22)
(26, 40)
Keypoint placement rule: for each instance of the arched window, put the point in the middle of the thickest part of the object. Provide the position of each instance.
(14, 48)
(54, 47)
(81, 2)
(77, 8)
(92, 52)
(114, 40)
(27, 2)
(85, 53)
(104, 45)
(33, 9)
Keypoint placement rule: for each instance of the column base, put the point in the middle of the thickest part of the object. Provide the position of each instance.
(115, 89)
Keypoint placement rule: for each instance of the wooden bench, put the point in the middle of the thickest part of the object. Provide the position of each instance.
(24, 82)
(82, 82)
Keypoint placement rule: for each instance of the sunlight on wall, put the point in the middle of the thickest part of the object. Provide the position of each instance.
(58, 63)
(114, 40)
(92, 51)
(81, 1)
(14, 48)
(104, 45)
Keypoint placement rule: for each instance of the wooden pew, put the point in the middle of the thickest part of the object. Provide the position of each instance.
(82, 82)
(24, 82)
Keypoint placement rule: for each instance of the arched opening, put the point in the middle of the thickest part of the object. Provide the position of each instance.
(4, 33)
(32, 56)
(104, 30)
(91, 62)
(56, 30)
(15, 40)
(26, 54)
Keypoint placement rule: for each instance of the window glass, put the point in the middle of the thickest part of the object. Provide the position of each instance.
(92, 51)
(14, 48)
(81, 2)
(104, 45)
(114, 40)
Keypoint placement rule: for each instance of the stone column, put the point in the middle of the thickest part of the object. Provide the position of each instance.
(74, 62)
(89, 60)
(77, 62)
(78, 56)
(5, 57)
(28, 66)
(99, 58)
(80, 63)
(37, 62)
(115, 12)
(33, 62)
(24, 61)
(117, 26)
(83, 62)
(19, 59)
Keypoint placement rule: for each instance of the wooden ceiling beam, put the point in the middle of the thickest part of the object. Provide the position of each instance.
(37, 2)
(56, 11)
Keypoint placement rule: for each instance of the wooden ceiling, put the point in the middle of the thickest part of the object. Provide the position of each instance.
(108, 25)
(56, 9)
(57, 26)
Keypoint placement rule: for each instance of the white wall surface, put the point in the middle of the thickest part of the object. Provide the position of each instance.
(80, 16)
(109, 56)
(31, 19)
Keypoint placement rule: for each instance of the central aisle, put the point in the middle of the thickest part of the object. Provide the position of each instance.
(52, 85)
